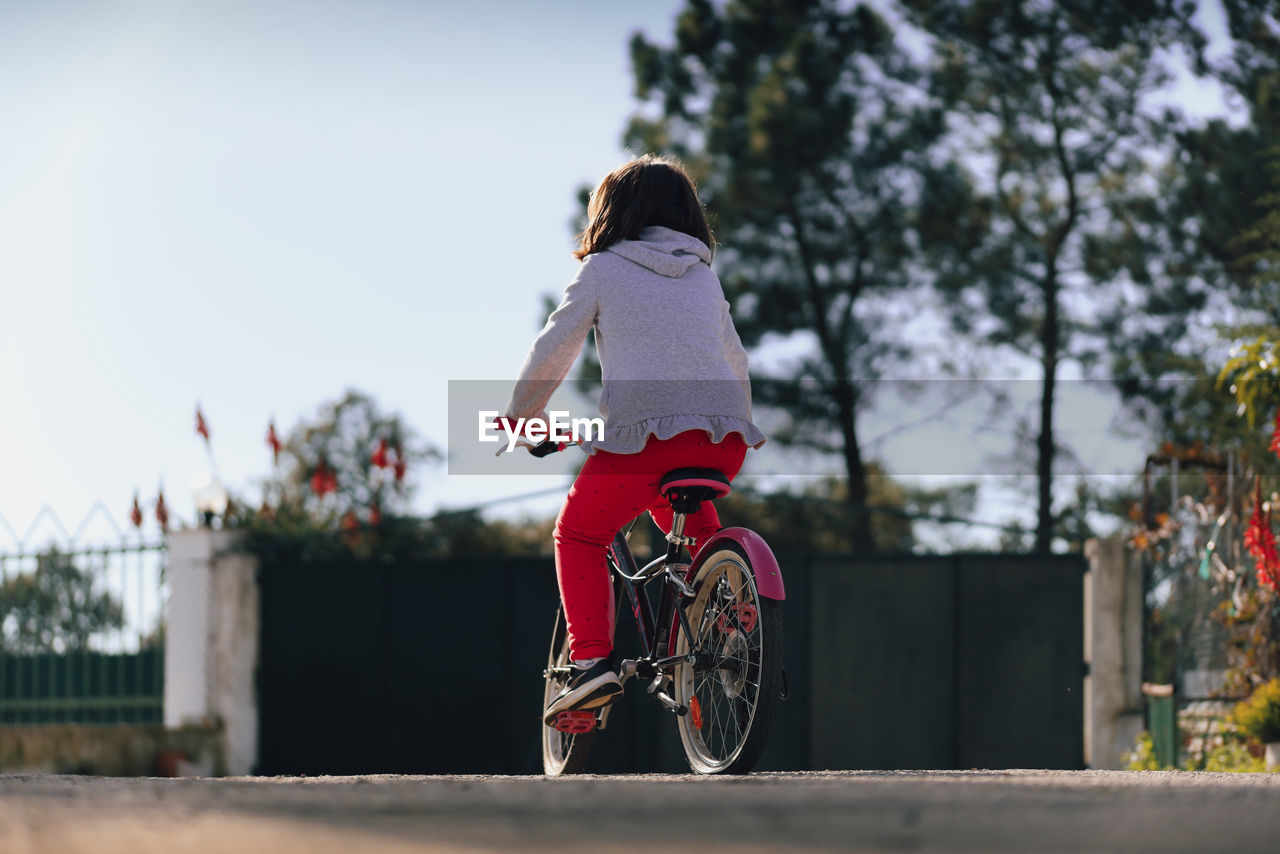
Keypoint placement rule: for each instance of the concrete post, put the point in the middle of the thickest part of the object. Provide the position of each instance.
(1113, 615)
(211, 644)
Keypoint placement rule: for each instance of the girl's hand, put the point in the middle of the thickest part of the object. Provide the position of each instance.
(538, 446)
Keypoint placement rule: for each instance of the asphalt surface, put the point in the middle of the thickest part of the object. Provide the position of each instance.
(983, 811)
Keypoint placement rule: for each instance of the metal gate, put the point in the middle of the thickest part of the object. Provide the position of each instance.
(82, 631)
(894, 661)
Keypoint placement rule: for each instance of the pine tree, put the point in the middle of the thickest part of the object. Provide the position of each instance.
(1221, 236)
(807, 129)
(1046, 98)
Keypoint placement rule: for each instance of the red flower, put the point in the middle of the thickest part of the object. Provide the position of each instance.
(401, 464)
(201, 426)
(379, 458)
(375, 513)
(135, 513)
(273, 441)
(323, 480)
(1274, 447)
(1260, 541)
(349, 521)
(162, 512)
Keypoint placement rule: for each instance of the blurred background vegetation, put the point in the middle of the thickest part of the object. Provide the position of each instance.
(922, 190)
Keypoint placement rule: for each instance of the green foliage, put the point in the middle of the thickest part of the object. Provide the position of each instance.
(1218, 254)
(290, 536)
(341, 486)
(1251, 619)
(1143, 755)
(807, 129)
(1259, 715)
(1233, 757)
(1252, 375)
(56, 608)
(1259, 244)
(1014, 164)
(345, 434)
(1055, 154)
(1185, 402)
(819, 518)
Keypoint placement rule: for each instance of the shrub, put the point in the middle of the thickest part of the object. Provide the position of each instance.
(1259, 715)
(1233, 757)
(1143, 755)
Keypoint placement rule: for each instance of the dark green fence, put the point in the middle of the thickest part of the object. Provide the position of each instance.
(894, 661)
(82, 688)
(81, 633)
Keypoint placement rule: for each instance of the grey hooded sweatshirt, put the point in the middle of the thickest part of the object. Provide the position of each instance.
(670, 357)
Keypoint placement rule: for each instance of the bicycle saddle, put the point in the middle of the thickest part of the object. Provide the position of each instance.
(687, 488)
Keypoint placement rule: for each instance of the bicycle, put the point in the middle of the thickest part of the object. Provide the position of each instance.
(712, 651)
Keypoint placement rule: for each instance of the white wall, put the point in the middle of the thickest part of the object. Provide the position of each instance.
(211, 643)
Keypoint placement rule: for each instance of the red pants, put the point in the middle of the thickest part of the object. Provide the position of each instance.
(610, 491)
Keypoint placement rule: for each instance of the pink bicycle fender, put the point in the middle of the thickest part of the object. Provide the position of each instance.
(768, 573)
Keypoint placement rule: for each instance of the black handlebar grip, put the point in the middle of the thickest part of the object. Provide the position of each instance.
(545, 449)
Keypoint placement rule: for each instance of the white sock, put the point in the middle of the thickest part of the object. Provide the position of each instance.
(587, 663)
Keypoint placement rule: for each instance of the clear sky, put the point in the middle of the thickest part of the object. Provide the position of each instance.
(256, 205)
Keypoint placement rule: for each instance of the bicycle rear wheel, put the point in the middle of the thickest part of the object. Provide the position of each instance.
(562, 752)
(732, 688)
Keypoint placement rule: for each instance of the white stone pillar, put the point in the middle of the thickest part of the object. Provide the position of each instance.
(211, 643)
(1113, 615)
(186, 636)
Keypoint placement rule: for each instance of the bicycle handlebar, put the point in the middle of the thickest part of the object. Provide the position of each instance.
(545, 448)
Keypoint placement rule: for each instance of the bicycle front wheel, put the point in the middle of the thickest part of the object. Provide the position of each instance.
(562, 752)
(731, 688)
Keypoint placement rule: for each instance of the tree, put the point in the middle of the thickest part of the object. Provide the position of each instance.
(56, 608)
(1218, 249)
(811, 142)
(1047, 99)
(1260, 243)
(815, 519)
(341, 486)
(351, 462)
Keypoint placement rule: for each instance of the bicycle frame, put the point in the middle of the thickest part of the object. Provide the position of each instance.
(658, 632)
(623, 565)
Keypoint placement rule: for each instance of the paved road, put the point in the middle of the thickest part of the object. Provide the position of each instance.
(821, 811)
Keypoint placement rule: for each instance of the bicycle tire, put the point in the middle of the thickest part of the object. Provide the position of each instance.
(732, 699)
(562, 753)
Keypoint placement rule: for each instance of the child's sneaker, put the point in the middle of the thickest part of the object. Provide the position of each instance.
(589, 688)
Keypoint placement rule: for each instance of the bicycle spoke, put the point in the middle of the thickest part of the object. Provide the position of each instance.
(725, 679)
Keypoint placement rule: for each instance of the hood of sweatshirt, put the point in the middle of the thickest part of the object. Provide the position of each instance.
(664, 251)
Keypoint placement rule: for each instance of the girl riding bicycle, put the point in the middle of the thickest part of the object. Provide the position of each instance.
(676, 392)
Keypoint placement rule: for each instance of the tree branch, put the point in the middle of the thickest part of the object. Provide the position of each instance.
(1060, 150)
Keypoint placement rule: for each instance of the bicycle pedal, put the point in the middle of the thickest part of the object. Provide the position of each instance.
(575, 722)
(672, 706)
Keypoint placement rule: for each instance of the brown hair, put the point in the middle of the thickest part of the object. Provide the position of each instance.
(650, 190)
